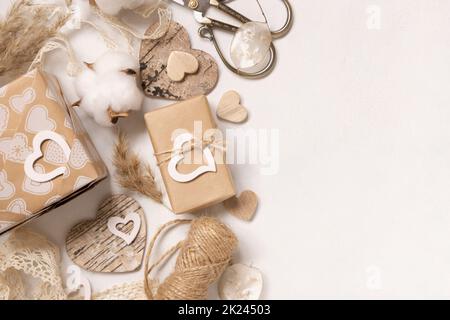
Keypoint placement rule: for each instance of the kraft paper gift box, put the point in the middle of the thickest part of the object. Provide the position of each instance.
(204, 190)
(46, 156)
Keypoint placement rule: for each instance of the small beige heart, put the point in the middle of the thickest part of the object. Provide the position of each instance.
(230, 109)
(244, 206)
(181, 63)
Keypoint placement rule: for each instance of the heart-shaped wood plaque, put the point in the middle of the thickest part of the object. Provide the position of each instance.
(114, 241)
(154, 57)
(230, 108)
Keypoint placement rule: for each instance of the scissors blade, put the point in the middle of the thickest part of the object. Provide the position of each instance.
(180, 2)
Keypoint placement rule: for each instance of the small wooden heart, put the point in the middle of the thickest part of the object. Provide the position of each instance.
(230, 108)
(244, 206)
(180, 64)
(94, 246)
(154, 66)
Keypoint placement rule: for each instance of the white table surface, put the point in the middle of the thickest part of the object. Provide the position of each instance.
(360, 205)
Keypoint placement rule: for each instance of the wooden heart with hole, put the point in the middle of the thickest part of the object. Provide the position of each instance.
(230, 108)
(154, 59)
(244, 206)
(114, 241)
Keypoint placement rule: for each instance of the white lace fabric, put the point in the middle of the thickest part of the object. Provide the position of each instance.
(127, 291)
(29, 268)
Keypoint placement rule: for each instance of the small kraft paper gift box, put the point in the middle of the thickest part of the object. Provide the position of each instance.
(46, 156)
(190, 154)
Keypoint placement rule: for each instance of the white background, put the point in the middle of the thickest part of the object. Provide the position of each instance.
(360, 205)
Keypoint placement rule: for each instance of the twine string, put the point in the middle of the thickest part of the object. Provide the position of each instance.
(189, 146)
(202, 258)
(165, 17)
(147, 270)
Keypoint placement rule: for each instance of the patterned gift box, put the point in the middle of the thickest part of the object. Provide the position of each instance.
(40, 132)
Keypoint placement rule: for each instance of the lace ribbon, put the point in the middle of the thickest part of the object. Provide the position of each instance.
(30, 270)
(26, 255)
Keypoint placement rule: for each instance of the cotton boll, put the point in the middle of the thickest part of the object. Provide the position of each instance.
(107, 86)
(94, 103)
(85, 82)
(124, 93)
(115, 61)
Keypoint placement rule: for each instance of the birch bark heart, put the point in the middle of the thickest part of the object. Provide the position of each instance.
(153, 59)
(93, 247)
(244, 206)
(181, 63)
(230, 109)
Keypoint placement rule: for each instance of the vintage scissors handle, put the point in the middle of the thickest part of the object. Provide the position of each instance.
(238, 16)
(207, 32)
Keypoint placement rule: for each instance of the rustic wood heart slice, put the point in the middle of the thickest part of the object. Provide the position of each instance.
(243, 207)
(92, 245)
(230, 108)
(154, 59)
(180, 64)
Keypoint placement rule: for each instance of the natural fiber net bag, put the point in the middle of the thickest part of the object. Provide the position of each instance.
(46, 156)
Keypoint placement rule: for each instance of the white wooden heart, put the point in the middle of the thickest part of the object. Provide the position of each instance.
(179, 156)
(75, 281)
(114, 222)
(37, 154)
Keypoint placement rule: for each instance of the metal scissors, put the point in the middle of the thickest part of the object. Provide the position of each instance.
(200, 8)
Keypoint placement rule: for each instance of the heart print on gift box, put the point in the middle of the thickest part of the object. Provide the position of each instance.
(15, 149)
(4, 117)
(7, 189)
(38, 120)
(20, 101)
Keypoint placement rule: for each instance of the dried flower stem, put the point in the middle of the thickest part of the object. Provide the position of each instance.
(131, 174)
(24, 32)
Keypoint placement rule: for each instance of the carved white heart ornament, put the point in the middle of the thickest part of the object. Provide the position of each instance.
(37, 154)
(75, 281)
(179, 156)
(113, 222)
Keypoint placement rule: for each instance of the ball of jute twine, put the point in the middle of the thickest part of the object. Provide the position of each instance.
(203, 257)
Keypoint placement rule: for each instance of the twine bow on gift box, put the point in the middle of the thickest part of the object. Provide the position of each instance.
(195, 144)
